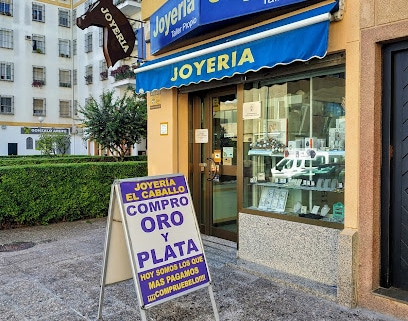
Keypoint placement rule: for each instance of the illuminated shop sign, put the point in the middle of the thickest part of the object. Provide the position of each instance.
(177, 18)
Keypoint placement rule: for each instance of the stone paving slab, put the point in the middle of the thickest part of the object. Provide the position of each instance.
(58, 279)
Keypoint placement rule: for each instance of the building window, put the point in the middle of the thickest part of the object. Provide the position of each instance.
(88, 74)
(103, 70)
(38, 76)
(6, 38)
(75, 77)
(6, 7)
(293, 143)
(29, 143)
(65, 108)
(88, 42)
(38, 44)
(63, 18)
(38, 12)
(74, 47)
(7, 105)
(65, 78)
(6, 71)
(64, 48)
(39, 107)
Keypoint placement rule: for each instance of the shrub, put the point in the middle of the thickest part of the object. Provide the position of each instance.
(43, 159)
(54, 143)
(48, 193)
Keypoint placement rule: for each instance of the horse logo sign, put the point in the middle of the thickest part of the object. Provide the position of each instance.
(118, 35)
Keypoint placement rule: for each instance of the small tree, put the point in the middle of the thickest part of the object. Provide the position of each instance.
(54, 143)
(62, 143)
(116, 124)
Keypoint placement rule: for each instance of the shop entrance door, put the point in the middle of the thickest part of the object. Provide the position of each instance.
(395, 168)
(214, 162)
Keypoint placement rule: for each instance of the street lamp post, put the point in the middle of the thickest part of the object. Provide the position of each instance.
(40, 119)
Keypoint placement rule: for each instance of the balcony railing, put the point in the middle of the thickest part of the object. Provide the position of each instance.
(124, 76)
(88, 79)
(123, 72)
(103, 75)
(6, 110)
(38, 83)
(37, 112)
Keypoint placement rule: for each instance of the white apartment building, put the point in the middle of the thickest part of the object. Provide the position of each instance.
(49, 67)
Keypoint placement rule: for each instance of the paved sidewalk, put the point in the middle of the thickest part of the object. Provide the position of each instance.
(58, 279)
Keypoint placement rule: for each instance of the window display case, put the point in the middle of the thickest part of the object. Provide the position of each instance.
(294, 146)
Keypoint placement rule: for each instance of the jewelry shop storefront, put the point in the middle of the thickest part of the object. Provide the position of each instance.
(255, 106)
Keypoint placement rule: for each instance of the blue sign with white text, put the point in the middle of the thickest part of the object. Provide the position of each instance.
(176, 18)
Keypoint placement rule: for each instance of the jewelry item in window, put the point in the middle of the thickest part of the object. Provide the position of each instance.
(315, 209)
(325, 210)
(326, 183)
(261, 176)
(297, 207)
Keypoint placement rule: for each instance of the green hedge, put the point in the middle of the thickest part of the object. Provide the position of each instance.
(26, 160)
(48, 193)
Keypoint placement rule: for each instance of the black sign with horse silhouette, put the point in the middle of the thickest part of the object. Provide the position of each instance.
(118, 35)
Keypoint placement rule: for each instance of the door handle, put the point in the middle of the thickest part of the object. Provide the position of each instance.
(212, 173)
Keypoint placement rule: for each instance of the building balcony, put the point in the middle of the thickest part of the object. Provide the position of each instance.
(124, 83)
(128, 7)
(123, 76)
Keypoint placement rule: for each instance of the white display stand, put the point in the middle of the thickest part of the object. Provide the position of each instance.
(273, 199)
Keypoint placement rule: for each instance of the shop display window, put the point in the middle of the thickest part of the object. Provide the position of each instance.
(294, 146)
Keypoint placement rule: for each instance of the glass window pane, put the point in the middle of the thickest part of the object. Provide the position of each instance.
(6, 105)
(6, 38)
(294, 146)
(38, 12)
(64, 19)
(29, 143)
(6, 71)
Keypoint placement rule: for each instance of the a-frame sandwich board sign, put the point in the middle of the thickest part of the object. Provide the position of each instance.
(153, 237)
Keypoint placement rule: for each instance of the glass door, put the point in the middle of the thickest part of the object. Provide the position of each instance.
(224, 157)
(214, 163)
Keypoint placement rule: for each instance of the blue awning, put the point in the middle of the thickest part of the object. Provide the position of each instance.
(300, 37)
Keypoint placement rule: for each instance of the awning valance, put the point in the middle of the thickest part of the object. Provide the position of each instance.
(297, 38)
